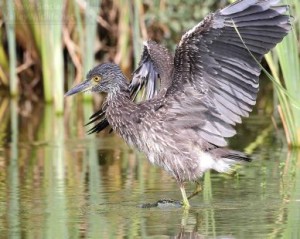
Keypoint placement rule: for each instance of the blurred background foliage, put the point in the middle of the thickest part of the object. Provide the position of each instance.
(120, 28)
(47, 46)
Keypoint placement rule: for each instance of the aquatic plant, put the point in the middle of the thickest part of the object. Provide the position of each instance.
(284, 61)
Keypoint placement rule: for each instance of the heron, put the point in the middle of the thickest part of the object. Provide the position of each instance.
(194, 97)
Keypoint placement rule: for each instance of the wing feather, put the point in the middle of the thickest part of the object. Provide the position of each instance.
(146, 75)
(212, 82)
(154, 71)
(212, 66)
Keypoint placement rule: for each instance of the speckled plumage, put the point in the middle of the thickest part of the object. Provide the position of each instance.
(193, 99)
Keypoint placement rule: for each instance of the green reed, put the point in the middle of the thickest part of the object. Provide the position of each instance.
(10, 29)
(137, 23)
(39, 28)
(52, 48)
(285, 61)
(4, 64)
(90, 35)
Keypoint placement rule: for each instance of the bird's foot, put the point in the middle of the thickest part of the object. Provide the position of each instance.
(185, 201)
(163, 203)
(197, 190)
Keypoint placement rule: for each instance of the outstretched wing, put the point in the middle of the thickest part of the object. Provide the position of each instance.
(216, 79)
(146, 76)
(154, 71)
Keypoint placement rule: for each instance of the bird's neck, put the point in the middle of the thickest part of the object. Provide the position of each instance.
(118, 96)
(118, 111)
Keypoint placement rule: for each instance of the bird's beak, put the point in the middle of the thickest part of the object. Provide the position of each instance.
(84, 86)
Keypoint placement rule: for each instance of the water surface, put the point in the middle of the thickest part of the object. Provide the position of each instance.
(58, 182)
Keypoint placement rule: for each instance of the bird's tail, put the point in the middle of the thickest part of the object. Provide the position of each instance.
(236, 155)
(225, 159)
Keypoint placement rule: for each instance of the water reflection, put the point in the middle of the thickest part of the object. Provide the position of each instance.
(13, 206)
(56, 184)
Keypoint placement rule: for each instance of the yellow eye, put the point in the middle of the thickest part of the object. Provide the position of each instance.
(96, 79)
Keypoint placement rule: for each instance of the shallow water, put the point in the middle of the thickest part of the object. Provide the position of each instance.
(58, 183)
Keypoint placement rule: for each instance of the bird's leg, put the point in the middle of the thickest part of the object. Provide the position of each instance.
(185, 200)
(197, 190)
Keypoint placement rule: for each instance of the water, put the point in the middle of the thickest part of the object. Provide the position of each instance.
(58, 183)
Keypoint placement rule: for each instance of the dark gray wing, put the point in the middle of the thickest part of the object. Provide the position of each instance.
(216, 79)
(154, 71)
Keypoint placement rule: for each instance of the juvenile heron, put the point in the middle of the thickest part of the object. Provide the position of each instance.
(193, 99)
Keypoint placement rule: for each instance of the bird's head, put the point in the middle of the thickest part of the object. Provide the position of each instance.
(106, 77)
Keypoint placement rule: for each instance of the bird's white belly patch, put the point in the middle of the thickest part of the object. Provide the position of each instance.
(221, 165)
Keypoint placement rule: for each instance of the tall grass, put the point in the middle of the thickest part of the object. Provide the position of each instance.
(39, 29)
(4, 64)
(285, 60)
(138, 27)
(52, 48)
(10, 29)
(90, 35)
(39, 32)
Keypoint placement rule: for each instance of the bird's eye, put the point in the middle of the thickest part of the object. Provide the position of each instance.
(96, 78)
